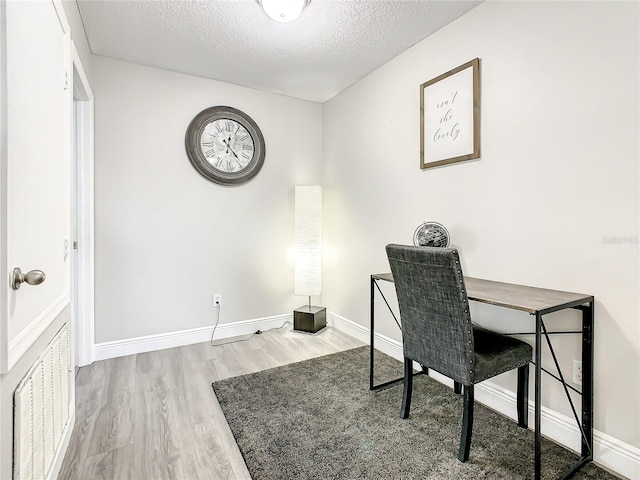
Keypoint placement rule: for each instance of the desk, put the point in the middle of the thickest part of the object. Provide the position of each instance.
(538, 302)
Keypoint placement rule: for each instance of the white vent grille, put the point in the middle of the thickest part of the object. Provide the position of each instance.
(41, 410)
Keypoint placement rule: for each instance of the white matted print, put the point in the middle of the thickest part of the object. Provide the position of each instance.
(450, 116)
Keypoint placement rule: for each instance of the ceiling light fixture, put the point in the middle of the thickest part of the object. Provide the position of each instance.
(283, 11)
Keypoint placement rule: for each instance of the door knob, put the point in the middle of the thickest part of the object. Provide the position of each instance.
(34, 277)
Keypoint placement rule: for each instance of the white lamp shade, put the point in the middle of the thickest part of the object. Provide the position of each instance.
(308, 240)
(283, 11)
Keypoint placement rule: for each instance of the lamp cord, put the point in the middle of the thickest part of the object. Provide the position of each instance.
(215, 325)
(257, 332)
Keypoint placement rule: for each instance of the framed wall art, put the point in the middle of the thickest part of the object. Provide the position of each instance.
(450, 116)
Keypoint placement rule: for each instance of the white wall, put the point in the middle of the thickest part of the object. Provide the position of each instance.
(167, 239)
(556, 181)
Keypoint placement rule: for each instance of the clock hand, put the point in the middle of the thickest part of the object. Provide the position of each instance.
(230, 149)
(237, 159)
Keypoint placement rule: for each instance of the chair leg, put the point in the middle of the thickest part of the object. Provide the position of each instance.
(408, 387)
(523, 396)
(467, 424)
(457, 387)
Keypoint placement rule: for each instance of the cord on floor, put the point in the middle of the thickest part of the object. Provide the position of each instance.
(257, 332)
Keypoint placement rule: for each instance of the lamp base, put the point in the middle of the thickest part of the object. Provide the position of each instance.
(309, 318)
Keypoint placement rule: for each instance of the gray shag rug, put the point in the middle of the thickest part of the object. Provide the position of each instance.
(317, 419)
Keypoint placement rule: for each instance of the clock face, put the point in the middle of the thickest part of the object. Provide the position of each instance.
(225, 145)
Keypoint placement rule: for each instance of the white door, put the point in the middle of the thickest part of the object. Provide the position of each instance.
(35, 170)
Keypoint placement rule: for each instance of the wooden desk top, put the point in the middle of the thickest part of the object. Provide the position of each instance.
(518, 297)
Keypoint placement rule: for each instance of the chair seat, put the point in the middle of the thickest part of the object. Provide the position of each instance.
(496, 353)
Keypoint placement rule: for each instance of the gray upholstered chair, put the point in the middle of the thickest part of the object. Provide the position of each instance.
(438, 334)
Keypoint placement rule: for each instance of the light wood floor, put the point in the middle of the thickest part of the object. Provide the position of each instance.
(154, 415)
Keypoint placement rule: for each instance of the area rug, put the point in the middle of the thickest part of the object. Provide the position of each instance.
(317, 419)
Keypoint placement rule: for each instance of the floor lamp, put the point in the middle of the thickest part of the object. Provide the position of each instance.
(308, 255)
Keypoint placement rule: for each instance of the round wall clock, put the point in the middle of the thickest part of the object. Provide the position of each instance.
(225, 145)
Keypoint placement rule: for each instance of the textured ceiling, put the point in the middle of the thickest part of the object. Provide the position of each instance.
(334, 43)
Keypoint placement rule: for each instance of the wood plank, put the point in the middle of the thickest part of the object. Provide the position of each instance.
(91, 383)
(514, 296)
(521, 297)
(154, 415)
(115, 420)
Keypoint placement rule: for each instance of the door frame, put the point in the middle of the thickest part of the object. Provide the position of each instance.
(82, 206)
(4, 279)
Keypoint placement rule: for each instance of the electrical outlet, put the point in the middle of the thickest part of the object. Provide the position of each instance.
(217, 300)
(577, 372)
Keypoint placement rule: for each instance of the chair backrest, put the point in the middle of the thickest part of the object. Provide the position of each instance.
(434, 309)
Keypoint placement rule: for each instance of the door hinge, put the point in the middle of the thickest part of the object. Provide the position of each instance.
(75, 245)
(66, 80)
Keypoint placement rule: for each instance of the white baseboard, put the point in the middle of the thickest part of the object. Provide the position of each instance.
(160, 341)
(609, 452)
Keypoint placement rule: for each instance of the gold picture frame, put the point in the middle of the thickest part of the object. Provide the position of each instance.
(450, 116)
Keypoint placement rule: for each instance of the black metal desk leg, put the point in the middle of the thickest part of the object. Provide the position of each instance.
(388, 383)
(371, 337)
(587, 380)
(538, 395)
